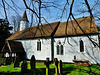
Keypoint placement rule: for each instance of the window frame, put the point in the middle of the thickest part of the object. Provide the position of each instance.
(38, 45)
(81, 46)
(60, 49)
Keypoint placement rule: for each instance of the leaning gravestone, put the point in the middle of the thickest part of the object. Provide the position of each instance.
(8, 61)
(33, 62)
(24, 67)
(56, 66)
(60, 67)
(16, 62)
(47, 66)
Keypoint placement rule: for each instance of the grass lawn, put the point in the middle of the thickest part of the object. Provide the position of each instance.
(68, 69)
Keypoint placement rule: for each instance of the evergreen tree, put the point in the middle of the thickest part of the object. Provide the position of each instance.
(4, 32)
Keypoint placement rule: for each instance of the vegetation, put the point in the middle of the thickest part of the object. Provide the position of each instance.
(68, 69)
(4, 32)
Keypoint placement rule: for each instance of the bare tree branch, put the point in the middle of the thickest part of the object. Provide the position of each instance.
(12, 8)
(95, 44)
(70, 13)
(30, 8)
(89, 10)
(4, 9)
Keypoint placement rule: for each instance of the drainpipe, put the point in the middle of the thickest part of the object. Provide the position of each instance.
(52, 48)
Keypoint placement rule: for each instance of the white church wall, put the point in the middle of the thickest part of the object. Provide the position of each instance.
(71, 48)
(30, 47)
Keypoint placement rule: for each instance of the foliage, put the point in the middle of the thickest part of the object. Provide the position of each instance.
(70, 69)
(1, 61)
(4, 32)
(15, 21)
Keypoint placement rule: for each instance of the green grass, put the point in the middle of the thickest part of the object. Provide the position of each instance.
(68, 69)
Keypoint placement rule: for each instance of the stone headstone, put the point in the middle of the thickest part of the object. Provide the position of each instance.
(33, 62)
(24, 67)
(47, 66)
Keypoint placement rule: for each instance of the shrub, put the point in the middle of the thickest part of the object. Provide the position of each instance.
(1, 61)
(1, 55)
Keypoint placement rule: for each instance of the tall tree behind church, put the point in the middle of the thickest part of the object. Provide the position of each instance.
(15, 21)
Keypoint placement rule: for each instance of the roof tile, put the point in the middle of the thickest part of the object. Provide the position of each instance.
(73, 28)
(47, 29)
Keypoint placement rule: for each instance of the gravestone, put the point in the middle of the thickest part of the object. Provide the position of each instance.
(60, 67)
(56, 66)
(47, 66)
(33, 62)
(24, 67)
(16, 62)
(8, 61)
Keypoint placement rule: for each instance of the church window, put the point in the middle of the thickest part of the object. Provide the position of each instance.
(59, 49)
(38, 45)
(81, 46)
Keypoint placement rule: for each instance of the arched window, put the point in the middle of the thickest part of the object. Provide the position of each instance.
(81, 46)
(59, 49)
(38, 45)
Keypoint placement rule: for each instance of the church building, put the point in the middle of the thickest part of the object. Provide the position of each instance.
(56, 40)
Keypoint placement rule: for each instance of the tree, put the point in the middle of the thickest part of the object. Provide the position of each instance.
(4, 31)
(70, 15)
(36, 7)
(15, 21)
(69, 9)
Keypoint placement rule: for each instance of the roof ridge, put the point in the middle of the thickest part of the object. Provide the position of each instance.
(77, 19)
(45, 24)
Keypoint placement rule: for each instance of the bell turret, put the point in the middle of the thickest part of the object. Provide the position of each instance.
(24, 22)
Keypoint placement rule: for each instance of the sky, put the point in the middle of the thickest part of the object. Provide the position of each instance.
(51, 14)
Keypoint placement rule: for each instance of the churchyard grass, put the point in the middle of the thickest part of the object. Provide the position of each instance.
(68, 69)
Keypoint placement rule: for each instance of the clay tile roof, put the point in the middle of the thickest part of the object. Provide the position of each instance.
(56, 29)
(45, 30)
(73, 28)
(24, 17)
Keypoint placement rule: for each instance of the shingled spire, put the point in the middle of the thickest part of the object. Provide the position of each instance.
(24, 22)
(24, 17)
